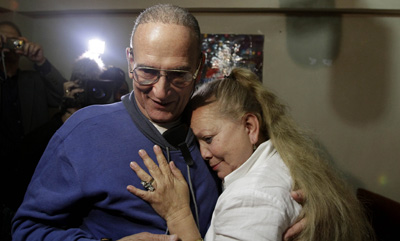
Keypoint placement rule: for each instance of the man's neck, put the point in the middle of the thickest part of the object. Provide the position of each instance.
(165, 126)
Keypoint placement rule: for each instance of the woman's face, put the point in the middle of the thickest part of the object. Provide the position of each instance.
(224, 143)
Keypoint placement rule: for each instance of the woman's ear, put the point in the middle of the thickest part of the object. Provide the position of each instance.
(252, 126)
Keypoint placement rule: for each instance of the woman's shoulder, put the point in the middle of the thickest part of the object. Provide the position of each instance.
(269, 181)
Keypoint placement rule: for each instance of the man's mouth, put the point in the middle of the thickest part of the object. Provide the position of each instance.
(161, 104)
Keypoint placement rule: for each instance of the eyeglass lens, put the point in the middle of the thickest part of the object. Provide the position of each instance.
(150, 76)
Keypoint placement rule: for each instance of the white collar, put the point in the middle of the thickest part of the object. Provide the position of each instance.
(164, 127)
(263, 151)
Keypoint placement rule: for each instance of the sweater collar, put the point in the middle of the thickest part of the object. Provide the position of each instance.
(146, 126)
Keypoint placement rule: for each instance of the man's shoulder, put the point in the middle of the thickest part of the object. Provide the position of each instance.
(97, 115)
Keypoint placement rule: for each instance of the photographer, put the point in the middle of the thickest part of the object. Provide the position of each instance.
(117, 75)
(85, 70)
(87, 87)
(25, 99)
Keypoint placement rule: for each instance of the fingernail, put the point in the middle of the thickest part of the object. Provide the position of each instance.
(141, 152)
(173, 237)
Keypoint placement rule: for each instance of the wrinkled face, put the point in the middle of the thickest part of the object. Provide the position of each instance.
(168, 47)
(224, 143)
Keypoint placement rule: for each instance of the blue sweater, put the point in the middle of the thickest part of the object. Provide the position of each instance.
(78, 191)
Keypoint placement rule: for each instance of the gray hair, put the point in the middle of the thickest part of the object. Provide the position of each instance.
(168, 14)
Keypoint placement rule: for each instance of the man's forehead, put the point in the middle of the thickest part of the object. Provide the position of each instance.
(159, 40)
(8, 31)
(166, 30)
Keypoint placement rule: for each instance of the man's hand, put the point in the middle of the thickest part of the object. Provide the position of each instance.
(32, 51)
(71, 88)
(150, 237)
(298, 196)
(298, 227)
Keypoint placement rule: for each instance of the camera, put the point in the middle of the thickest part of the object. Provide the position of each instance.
(13, 44)
(96, 91)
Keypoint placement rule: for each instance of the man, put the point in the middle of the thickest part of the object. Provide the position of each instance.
(79, 191)
(25, 99)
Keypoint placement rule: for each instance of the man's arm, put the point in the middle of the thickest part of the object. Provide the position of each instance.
(53, 79)
(51, 209)
(298, 227)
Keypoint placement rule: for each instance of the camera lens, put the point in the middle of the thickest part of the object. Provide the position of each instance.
(97, 92)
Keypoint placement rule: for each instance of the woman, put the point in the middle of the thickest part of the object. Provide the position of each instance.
(259, 153)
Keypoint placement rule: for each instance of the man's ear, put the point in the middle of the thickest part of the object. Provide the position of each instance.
(252, 126)
(203, 60)
(129, 58)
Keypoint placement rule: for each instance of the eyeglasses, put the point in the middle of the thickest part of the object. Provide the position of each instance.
(179, 78)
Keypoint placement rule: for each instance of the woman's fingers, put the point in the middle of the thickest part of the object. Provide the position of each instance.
(170, 193)
(139, 193)
(176, 172)
(162, 161)
(150, 164)
(142, 174)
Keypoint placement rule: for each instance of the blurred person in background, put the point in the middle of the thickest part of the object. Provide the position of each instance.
(26, 96)
(117, 75)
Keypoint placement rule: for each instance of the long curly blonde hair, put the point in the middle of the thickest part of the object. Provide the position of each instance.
(331, 208)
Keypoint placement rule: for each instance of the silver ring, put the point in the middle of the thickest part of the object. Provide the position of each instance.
(148, 185)
(67, 91)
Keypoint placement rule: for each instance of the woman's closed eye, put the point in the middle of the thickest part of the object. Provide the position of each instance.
(207, 139)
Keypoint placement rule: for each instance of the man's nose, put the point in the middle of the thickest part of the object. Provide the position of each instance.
(161, 88)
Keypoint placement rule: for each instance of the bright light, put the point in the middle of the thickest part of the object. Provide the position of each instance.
(96, 46)
(94, 57)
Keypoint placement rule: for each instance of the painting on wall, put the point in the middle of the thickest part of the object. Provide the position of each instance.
(226, 51)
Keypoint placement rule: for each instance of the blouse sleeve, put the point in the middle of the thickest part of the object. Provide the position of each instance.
(253, 215)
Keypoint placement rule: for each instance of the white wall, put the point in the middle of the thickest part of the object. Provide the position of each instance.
(351, 104)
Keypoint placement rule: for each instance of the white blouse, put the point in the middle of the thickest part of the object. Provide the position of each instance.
(256, 203)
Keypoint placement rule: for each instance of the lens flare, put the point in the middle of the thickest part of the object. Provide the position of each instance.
(96, 46)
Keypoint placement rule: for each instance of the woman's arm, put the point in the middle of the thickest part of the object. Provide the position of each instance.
(170, 198)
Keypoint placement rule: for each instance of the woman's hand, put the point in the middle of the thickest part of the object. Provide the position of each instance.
(170, 198)
(145, 236)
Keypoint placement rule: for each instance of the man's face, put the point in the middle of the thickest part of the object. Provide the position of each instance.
(10, 32)
(167, 47)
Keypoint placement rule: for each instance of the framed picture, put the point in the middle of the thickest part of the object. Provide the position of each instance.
(226, 51)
